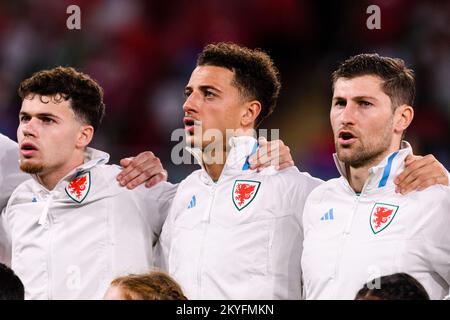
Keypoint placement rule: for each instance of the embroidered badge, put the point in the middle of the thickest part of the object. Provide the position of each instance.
(381, 216)
(244, 191)
(78, 188)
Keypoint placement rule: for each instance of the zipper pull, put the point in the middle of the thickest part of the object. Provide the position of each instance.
(44, 215)
(350, 221)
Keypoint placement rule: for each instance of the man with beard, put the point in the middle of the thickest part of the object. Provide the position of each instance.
(357, 227)
(146, 170)
(72, 227)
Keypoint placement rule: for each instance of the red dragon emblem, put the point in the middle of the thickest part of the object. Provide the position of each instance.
(244, 192)
(381, 216)
(78, 188)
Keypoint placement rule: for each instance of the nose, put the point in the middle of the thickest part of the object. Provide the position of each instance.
(348, 114)
(28, 128)
(191, 105)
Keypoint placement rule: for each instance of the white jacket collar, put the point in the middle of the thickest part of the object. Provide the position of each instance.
(241, 148)
(385, 172)
(92, 158)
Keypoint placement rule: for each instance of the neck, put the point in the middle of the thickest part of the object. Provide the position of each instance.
(357, 176)
(215, 155)
(50, 179)
(215, 163)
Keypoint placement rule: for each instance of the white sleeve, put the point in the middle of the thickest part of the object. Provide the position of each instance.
(297, 190)
(438, 237)
(310, 183)
(10, 175)
(304, 184)
(162, 248)
(155, 204)
(5, 241)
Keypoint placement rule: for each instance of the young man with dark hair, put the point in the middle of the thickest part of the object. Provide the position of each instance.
(85, 98)
(73, 228)
(397, 286)
(233, 233)
(64, 83)
(255, 76)
(357, 226)
(11, 288)
(150, 173)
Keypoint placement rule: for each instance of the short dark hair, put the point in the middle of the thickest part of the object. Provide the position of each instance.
(11, 287)
(397, 286)
(255, 74)
(85, 94)
(398, 80)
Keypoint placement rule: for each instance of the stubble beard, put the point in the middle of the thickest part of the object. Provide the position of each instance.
(366, 154)
(31, 168)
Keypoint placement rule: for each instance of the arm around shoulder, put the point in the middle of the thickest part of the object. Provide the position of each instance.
(155, 203)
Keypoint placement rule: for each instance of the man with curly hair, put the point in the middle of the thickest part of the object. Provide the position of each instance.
(72, 228)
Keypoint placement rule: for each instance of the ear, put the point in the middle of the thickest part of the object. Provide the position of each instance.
(85, 136)
(403, 117)
(251, 111)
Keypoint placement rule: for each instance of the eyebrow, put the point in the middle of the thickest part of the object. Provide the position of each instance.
(40, 115)
(203, 88)
(365, 98)
(358, 98)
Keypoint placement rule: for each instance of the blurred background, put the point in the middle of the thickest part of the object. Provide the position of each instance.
(142, 53)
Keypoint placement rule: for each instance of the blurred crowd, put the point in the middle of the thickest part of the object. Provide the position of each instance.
(142, 53)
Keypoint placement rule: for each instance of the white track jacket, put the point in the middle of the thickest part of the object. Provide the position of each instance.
(10, 175)
(239, 237)
(69, 243)
(10, 178)
(351, 239)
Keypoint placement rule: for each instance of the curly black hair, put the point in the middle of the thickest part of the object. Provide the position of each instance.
(255, 74)
(84, 93)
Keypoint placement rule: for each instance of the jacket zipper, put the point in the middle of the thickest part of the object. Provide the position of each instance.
(45, 222)
(346, 234)
(49, 260)
(205, 221)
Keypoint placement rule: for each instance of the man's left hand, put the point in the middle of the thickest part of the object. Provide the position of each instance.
(274, 153)
(144, 168)
(420, 173)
